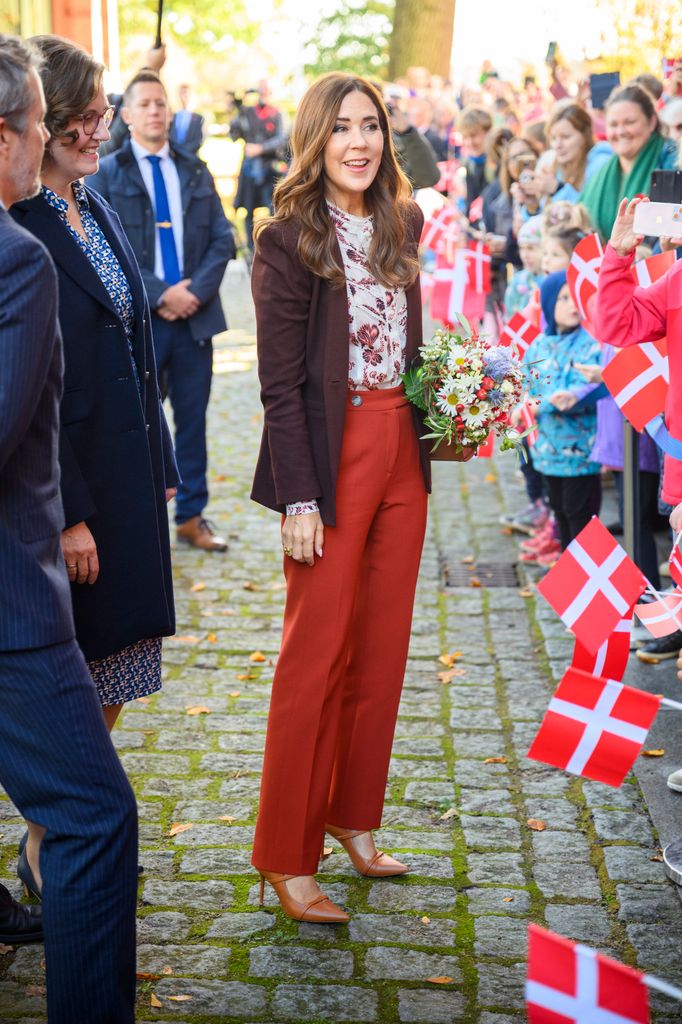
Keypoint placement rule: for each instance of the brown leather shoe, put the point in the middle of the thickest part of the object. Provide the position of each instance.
(198, 532)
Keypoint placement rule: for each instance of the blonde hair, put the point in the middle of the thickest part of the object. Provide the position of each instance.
(563, 214)
(474, 119)
(300, 196)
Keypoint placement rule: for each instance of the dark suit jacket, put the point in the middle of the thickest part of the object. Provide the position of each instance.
(193, 138)
(302, 336)
(208, 240)
(115, 449)
(35, 604)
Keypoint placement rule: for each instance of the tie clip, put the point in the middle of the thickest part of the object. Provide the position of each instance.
(163, 224)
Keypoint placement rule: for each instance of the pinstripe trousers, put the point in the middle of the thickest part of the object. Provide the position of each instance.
(60, 768)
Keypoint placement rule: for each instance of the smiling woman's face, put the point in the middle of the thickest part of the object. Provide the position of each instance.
(72, 161)
(353, 151)
(628, 128)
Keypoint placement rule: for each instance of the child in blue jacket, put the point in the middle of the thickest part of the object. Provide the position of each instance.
(566, 417)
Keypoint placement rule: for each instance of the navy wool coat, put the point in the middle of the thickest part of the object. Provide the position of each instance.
(115, 451)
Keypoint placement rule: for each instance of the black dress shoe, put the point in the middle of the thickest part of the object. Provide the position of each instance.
(19, 923)
(661, 648)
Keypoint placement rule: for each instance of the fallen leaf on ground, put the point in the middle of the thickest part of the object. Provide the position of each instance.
(489, 478)
(235, 693)
(507, 899)
(425, 920)
(657, 857)
(247, 675)
(251, 586)
(653, 753)
(450, 813)
(495, 760)
(440, 979)
(475, 582)
(227, 817)
(190, 639)
(506, 531)
(146, 976)
(198, 709)
(536, 824)
(468, 560)
(219, 478)
(212, 638)
(180, 999)
(256, 657)
(5, 949)
(155, 1001)
(327, 851)
(177, 827)
(143, 700)
(525, 592)
(449, 659)
(196, 587)
(167, 970)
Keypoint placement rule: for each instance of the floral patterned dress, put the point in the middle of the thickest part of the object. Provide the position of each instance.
(134, 671)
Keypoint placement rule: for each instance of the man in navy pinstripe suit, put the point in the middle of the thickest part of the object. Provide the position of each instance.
(57, 762)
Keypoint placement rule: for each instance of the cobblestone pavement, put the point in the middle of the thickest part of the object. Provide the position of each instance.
(459, 798)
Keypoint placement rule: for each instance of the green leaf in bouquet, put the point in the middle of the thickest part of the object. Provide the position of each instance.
(414, 388)
(465, 324)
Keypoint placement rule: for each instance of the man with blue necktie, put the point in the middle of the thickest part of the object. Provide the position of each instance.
(173, 217)
(187, 127)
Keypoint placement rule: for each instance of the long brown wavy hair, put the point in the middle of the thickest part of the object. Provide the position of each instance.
(579, 119)
(300, 196)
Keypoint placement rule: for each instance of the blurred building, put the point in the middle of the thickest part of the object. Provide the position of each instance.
(92, 23)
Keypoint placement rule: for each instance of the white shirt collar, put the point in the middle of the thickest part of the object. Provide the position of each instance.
(140, 152)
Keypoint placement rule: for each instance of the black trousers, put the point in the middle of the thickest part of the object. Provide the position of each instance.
(573, 500)
(649, 521)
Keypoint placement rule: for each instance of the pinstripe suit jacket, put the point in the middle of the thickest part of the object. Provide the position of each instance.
(35, 603)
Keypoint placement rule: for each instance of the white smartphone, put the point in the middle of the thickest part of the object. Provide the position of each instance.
(659, 219)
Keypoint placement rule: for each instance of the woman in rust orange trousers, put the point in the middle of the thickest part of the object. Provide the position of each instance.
(336, 288)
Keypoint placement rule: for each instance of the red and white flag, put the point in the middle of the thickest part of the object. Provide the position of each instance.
(437, 226)
(568, 983)
(478, 257)
(637, 377)
(487, 449)
(583, 273)
(452, 292)
(664, 616)
(426, 286)
(528, 420)
(675, 562)
(593, 585)
(645, 272)
(476, 210)
(594, 727)
(448, 175)
(520, 333)
(611, 659)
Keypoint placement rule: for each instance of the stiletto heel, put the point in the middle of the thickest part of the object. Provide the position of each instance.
(372, 868)
(25, 875)
(319, 910)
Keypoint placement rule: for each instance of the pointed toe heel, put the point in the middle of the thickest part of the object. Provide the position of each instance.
(319, 910)
(25, 875)
(371, 867)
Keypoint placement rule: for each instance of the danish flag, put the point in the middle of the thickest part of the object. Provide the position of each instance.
(452, 290)
(437, 226)
(478, 255)
(593, 585)
(476, 210)
(645, 272)
(569, 983)
(638, 379)
(520, 333)
(611, 659)
(583, 272)
(448, 175)
(664, 616)
(675, 562)
(594, 727)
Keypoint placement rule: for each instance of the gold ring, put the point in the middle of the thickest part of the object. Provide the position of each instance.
(289, 552)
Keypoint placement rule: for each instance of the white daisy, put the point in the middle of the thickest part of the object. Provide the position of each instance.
(476, 415)
(457, 356)
(448, 397)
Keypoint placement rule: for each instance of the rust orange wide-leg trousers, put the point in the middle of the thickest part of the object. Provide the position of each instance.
(344, 646)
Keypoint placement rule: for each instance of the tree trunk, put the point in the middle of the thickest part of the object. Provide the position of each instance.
(422, 36)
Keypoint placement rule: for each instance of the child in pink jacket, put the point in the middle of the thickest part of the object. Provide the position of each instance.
(628, 314)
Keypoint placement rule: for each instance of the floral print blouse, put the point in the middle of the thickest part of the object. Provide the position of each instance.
(100, 254)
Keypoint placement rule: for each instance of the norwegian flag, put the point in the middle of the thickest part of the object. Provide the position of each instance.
(478, 256)
(675, 562)
(664, 616)
(520, 333)
(645, 272)
(528, 420)
(452, 291)
(637, 377)
(594, 727)
(568, 983)
(437, 226)
(593, 585)
(448, 175)
(583, 273)
(611, 659)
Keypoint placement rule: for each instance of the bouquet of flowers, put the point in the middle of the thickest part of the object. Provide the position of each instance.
(467, 389)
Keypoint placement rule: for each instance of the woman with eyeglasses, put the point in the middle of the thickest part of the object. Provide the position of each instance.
(117, 464)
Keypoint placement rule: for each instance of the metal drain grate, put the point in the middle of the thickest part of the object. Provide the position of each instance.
(480, 574)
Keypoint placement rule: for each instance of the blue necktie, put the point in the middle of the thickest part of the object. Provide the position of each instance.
(169, 254)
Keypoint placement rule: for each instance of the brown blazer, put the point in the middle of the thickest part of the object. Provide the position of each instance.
(303, 339)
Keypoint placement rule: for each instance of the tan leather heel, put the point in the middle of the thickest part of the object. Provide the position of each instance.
(319, 910)
(372, 868)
